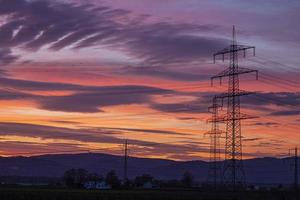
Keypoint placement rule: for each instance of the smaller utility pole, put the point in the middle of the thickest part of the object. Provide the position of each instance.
(125, 161)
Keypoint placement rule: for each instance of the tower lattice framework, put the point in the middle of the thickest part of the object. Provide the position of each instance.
(214, 172)
(233, 170)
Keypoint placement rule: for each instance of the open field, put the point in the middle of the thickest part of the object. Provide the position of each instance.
(66, 194)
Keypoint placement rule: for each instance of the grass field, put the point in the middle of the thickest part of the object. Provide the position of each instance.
(67, 194)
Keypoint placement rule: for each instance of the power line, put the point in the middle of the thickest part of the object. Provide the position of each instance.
(286, 125)
(283, 84)
(284, 67)
(278, 85)
(282, 80)
(277, 101)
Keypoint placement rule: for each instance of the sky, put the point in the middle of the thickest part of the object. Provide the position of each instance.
(84, 75)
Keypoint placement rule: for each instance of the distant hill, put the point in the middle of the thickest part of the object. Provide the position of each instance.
(259, 170)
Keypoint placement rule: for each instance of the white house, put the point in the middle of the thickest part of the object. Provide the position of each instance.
(102, 186)
(98, 185)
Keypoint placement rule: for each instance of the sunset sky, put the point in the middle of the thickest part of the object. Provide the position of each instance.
(79, 75)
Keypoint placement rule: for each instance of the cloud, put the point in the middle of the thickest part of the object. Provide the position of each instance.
(164, 43)
(50, 132)
(91, 135)
(84, 99)
(199, 105)
(275, 98)
(29, 85)
(288, 100)
(167, 73)
(89, 99)
(187, 118)
(285, 113)
(32, 25)
(146, 131)
(14, 95)
(103, 96)
(30, 148)
(269, 143)
(268, 124)
(6, 57)
(44, 22)
(251, 139)
(187, 107)
(183, 151)
(65, 122)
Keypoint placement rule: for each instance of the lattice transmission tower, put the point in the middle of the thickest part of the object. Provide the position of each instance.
(214, 172)
(295, 167)
(233, 170)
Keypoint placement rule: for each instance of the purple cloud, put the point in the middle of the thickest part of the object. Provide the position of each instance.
(6, 57)
(35, 24)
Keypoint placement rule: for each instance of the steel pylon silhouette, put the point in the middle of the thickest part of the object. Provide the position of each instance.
(296, 169)
(214, 172)
(295, 166)
(233, 170)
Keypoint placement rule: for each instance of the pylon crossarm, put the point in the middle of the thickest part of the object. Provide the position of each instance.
(220, 76)
(244, 48)
(225, 118)
(238, 93)
(217, 120)
(221, 119)
(235, 48)
(241, 117)
(228, 72)
(216, 132)
(243, 70)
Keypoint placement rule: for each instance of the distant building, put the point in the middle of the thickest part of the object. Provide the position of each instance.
(96, 185)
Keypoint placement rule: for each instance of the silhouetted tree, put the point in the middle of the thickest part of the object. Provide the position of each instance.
(187, 179)
(94, 177)
(112, 179)
(75, 178)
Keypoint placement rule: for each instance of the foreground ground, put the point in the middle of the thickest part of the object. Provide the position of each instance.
(65, 194)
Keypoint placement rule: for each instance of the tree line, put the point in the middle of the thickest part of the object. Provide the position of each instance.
(76, 178)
